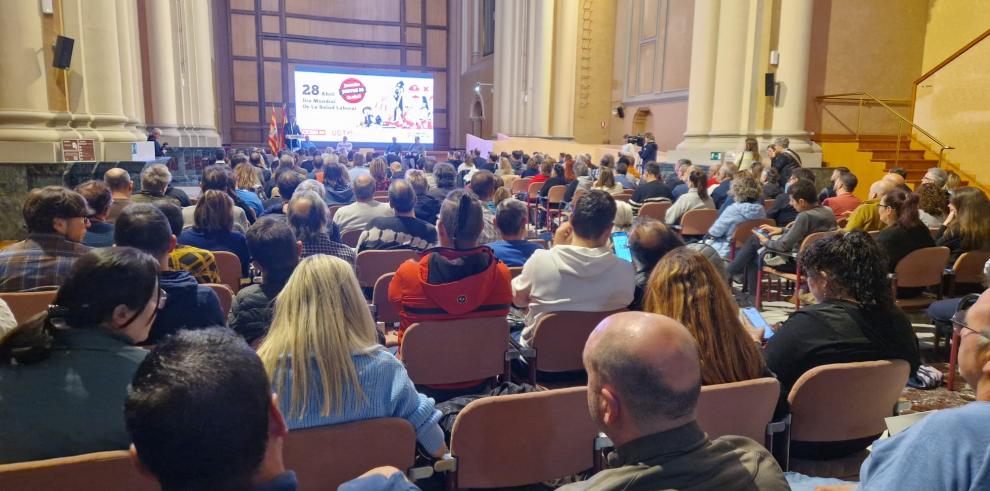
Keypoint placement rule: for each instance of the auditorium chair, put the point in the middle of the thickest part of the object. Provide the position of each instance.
(533, 200)
(558, 341)
(541, 242)
(521, 439)
(744, 232)
(350, 237)
(224, 295)
(622, 197)
(553, 206)
(577, 195)
(739, 408)
(229, 267)
(968, 272)
(324, 457)
(372, 265)
(100, 471)
(25, 305)
(655, 209)
(768, 204)
(331, 211)
(454, 351)
(842, 401)
(922, 268)
(794, 277)
(382, 199)
(964, 304)
(520, 185)
(696, 223)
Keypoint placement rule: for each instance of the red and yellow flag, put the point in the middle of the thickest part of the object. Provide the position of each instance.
(273, 140)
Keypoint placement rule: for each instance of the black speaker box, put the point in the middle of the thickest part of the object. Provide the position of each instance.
(769, 84)
(63, 52)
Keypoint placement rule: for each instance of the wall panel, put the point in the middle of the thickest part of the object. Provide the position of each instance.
(262, 41)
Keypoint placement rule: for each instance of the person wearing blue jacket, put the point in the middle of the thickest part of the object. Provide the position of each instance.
(746, 206)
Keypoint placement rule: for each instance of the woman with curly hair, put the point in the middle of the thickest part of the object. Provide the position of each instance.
(934, 204)
(746, 206)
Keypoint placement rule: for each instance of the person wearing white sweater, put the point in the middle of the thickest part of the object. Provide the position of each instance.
(696, 198)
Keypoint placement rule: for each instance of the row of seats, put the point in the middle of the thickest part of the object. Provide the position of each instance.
(552, 434)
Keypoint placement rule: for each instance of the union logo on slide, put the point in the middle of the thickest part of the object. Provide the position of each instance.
(352, 90)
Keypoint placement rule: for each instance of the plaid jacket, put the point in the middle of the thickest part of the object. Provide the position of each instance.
(323, 244)
(40, 260)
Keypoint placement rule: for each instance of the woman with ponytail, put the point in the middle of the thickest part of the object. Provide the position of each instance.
(904, 232)
(64, 373)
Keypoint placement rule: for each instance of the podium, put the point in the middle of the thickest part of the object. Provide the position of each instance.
(293, 141)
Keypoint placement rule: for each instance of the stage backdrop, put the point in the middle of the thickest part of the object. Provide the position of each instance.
(366, 107)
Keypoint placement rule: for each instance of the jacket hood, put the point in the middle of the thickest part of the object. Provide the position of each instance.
(342, 194)
(177, 283)
(458, 281)
(581, 261)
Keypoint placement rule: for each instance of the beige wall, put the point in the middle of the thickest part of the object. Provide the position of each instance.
(652, 59)
(952, 24)
(596, 39)
(873, 46)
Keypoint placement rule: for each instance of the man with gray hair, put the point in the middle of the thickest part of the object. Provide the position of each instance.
(644, 379)
(784, 159)
(510, 220)
(935, 176)
(583, 180)
(154, 182)
(356, 215)
(427, 204)
(307, 215)
(401, 231)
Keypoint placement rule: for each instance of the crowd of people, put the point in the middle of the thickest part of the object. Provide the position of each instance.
(131, 270)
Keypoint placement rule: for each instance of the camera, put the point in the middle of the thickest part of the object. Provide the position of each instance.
(637, 140)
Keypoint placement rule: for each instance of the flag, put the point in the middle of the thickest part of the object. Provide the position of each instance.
(273, 140)
(285, 122)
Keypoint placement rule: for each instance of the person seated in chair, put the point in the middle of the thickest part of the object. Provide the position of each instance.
(511, 220)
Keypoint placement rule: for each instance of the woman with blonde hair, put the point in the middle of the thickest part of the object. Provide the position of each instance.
(686, 286)
(750, 154)
(606, 182)
(324, 361)
(379, 171)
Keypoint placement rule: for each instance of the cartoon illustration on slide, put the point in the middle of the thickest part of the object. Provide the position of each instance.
(398, 110)
(369, 119)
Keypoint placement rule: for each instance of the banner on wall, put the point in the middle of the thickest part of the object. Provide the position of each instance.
(366, 107)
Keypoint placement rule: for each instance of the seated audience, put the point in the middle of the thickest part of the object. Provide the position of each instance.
(187, 305)
(784, 160)
(155, 180)
(57, 219)
(401, 231)
(200, 263)
(64, 373)
(687, 288)
(556, 180)
(844, 202)
(275, 252)
(247, 185)
(952, 182)
(769, 179)
(206, 379)
(287, 184)
(622, 173)
(570, 276)
(606, 182)
(643, 387)
(213, 228)
(696, 198)
(308, 219)
(651, 189)
(948, 449)
(218, 178)
(649, 241)
(726, 174)
(358, 167)
(866, 217)
(446, 181)
(935, 176)
(676, 178)
(325, 362)
(904, 233)
(483, 185)
(99, 199)
(337, 183)
(581, 181)
(855, 319)
(532, 169)
(898, 177)
(746, 206)
(623, 218)
(356, 215)
(781, 211)
(933, 205)
(458, 280)
(121, 189)
(967, 227)
(379, 173)
(427, 203)
(511, 219)
(830, 191)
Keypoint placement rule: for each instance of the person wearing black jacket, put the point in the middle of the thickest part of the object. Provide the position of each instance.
(649, 151)
(855, 320)
(784, 160)
(275, 251)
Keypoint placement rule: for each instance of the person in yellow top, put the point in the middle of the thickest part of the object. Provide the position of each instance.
(866, 217)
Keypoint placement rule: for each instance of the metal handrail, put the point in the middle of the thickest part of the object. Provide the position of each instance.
(863, 96)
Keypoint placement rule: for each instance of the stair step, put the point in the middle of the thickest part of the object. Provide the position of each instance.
(871, 145)
(894, 154)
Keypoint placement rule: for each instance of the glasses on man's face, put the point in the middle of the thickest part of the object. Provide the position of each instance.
(959, 324)
(159, 305)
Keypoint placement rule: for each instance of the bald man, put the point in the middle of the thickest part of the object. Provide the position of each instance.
(949, 449)
(356, 215)
(643, 384)
(402, 231)
(121, 188)
(866, 216)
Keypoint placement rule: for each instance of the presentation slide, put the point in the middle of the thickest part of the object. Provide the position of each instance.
(366, 107)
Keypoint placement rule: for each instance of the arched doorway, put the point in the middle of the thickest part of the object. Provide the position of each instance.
(642, 121)
(477, 117)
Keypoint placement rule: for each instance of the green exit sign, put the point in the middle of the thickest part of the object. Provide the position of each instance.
(716, 156)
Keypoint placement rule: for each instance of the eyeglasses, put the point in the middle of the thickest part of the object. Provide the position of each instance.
(959, 323)
(159, 305)
(883, 206)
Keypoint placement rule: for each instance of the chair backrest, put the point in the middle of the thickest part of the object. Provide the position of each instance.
(385, 311)
(922, 267)
(559, 339)
(350, 237)
(25, 305)
(534, 189)
(462, 350)
(101, 471)
(697, 222)
(331, 211)
(655, 209)
(577, 195)
(622, 197)
(379, 194)
(969, 267)
(382, 199)
(515, 270)
(371, 265)
(556, 194)
(845, 401)
(744, 230)
(229, 267)
(767, 204)
(325, 457)
(520, 185)
(519, 439)
(541, 242)
(813, 237)
(224, 294)
(738, 408)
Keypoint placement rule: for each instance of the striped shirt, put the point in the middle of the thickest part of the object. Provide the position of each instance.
(40, 260)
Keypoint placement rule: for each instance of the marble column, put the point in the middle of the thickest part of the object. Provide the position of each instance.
(163, 113)
(701, 88)
(726, 112)
(132, 84)
(792, 74)
(563, 78)
(202, 34)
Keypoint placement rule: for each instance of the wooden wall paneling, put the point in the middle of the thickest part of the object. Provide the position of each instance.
(414, 58)
(436, 48)
(242, 34)
(677, 46)
(373, 10)
(436, 13)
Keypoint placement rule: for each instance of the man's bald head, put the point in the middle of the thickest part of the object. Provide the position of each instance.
(364, 187)
(896, 179)
(882, 187)
(401, 196)
(118, 180)
(650, 364)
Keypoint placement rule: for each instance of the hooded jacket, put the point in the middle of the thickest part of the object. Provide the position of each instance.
(339, 195)
(448, 284)
(189, 306)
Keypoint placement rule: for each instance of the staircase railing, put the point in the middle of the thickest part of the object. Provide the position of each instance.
(867, 98)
